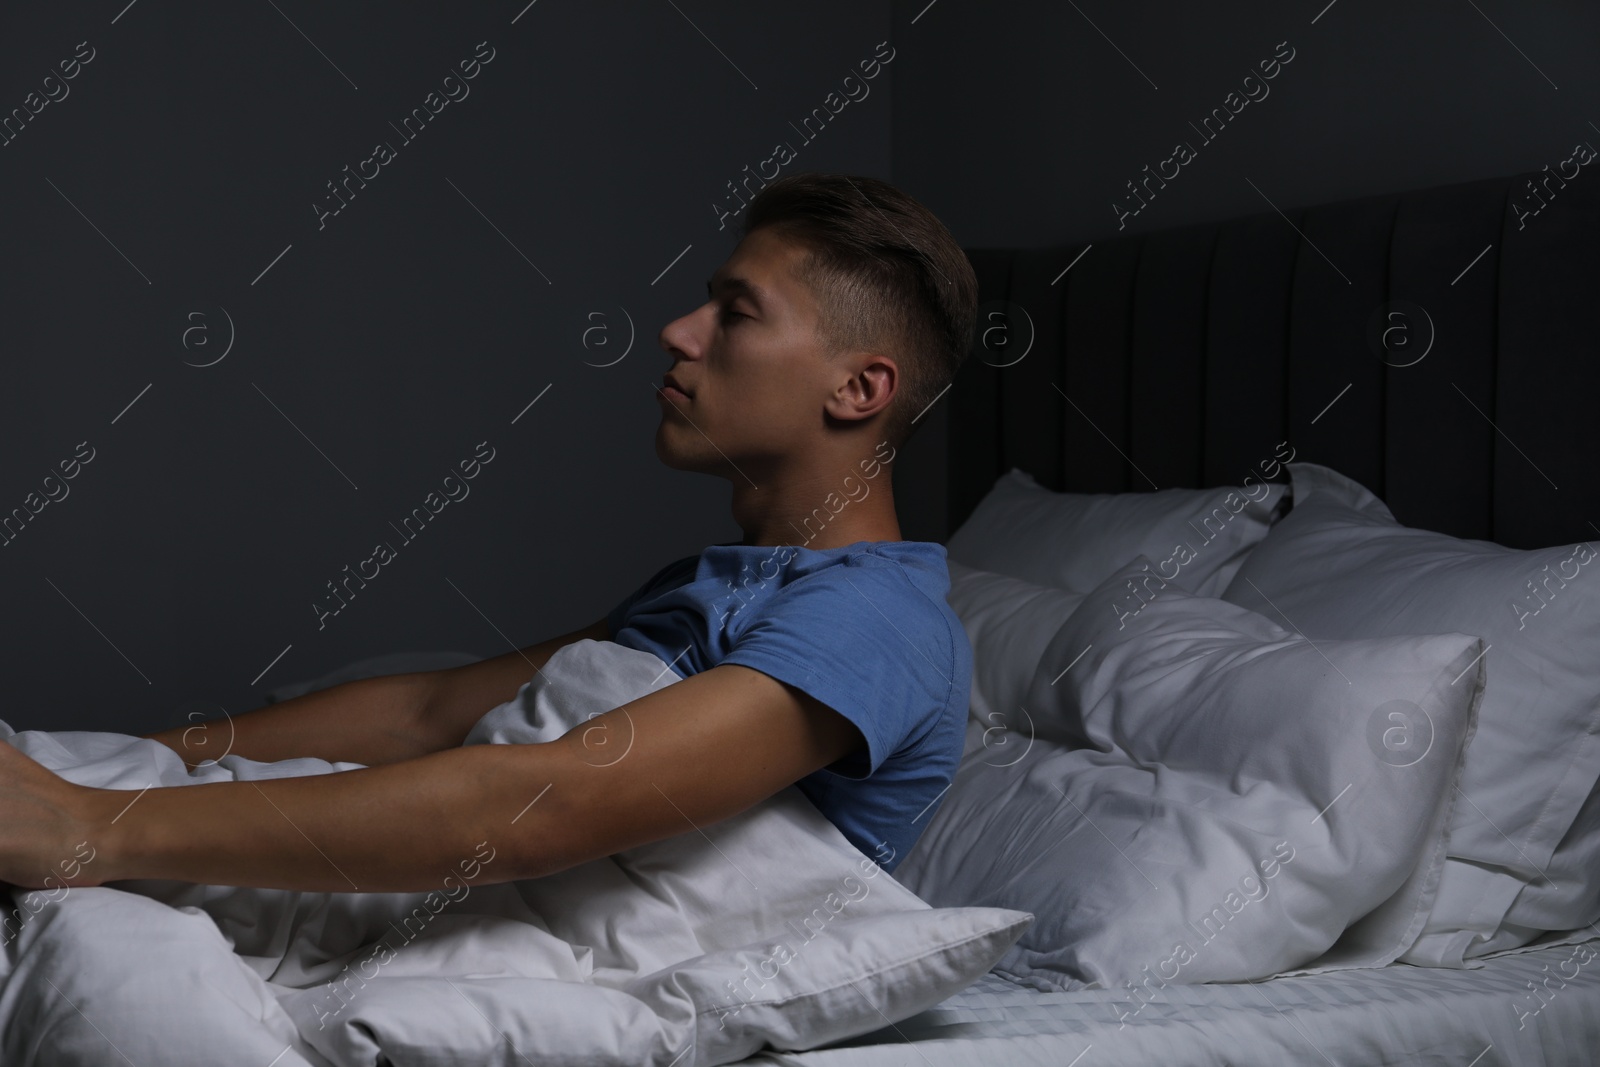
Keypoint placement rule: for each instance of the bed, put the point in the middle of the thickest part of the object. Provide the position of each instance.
(1432, 347)
(1285, 444)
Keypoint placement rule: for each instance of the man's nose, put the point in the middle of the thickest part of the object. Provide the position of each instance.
(684, 334)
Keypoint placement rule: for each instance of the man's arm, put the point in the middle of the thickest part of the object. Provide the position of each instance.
(372, 721)
(463, 695)
(673, 761)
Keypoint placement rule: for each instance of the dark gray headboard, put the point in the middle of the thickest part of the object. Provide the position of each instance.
(1182, 358)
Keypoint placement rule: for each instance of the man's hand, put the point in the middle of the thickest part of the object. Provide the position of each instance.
(674, 761)
(44, 826)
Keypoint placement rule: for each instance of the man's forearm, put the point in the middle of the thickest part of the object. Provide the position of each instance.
(381, 829)
(372, 721)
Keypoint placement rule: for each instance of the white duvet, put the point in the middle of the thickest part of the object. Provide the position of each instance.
(768, 930)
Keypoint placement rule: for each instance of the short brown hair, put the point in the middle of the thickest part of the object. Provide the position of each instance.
(888, 275)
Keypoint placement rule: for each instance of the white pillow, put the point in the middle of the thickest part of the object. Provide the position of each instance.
(1566, 898)
(866, 973)
(1075, 540)
(1219, 800)
(1339, 566)
(1008, 623)
(717, 1008)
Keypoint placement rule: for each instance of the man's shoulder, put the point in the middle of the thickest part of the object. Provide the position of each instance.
(922, 564)
(901, 584)
(907, 573)
(888, 595)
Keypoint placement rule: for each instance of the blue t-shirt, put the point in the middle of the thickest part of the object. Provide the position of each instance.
(865, 629)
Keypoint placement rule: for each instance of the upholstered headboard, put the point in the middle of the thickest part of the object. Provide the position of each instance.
(1438, 346)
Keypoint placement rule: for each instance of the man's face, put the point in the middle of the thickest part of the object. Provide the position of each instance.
(752, 364)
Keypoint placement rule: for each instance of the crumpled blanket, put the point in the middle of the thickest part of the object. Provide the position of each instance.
(597, 964)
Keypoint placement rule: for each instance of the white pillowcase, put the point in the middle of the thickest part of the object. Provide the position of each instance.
(1219, 798)
(1339, 566)
(865, 973)
(1567, 898)
(898, 964)
(1008, 622)
(1075, 540)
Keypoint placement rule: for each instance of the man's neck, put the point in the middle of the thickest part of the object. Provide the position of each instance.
(834, 522)
(819, 505)
(830, 536)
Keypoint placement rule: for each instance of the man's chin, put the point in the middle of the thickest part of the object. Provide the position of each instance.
(667, 454)
(689, 462)
(684, 449)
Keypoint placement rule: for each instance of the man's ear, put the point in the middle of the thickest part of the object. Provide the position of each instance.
(869, 390)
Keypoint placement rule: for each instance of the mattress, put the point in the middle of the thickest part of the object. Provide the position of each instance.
(1529, 1008)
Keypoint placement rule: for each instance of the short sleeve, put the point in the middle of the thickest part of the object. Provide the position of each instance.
(866, 642)
(617, 616)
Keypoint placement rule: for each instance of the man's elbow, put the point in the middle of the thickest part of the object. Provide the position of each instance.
(537, 811)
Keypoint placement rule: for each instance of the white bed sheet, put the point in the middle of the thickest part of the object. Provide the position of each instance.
(1399, 1014)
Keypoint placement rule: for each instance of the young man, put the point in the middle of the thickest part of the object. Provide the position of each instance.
(818, 650)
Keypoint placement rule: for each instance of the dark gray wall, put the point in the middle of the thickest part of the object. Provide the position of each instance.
(383, 344)
(456, 287)
(1021, 123)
